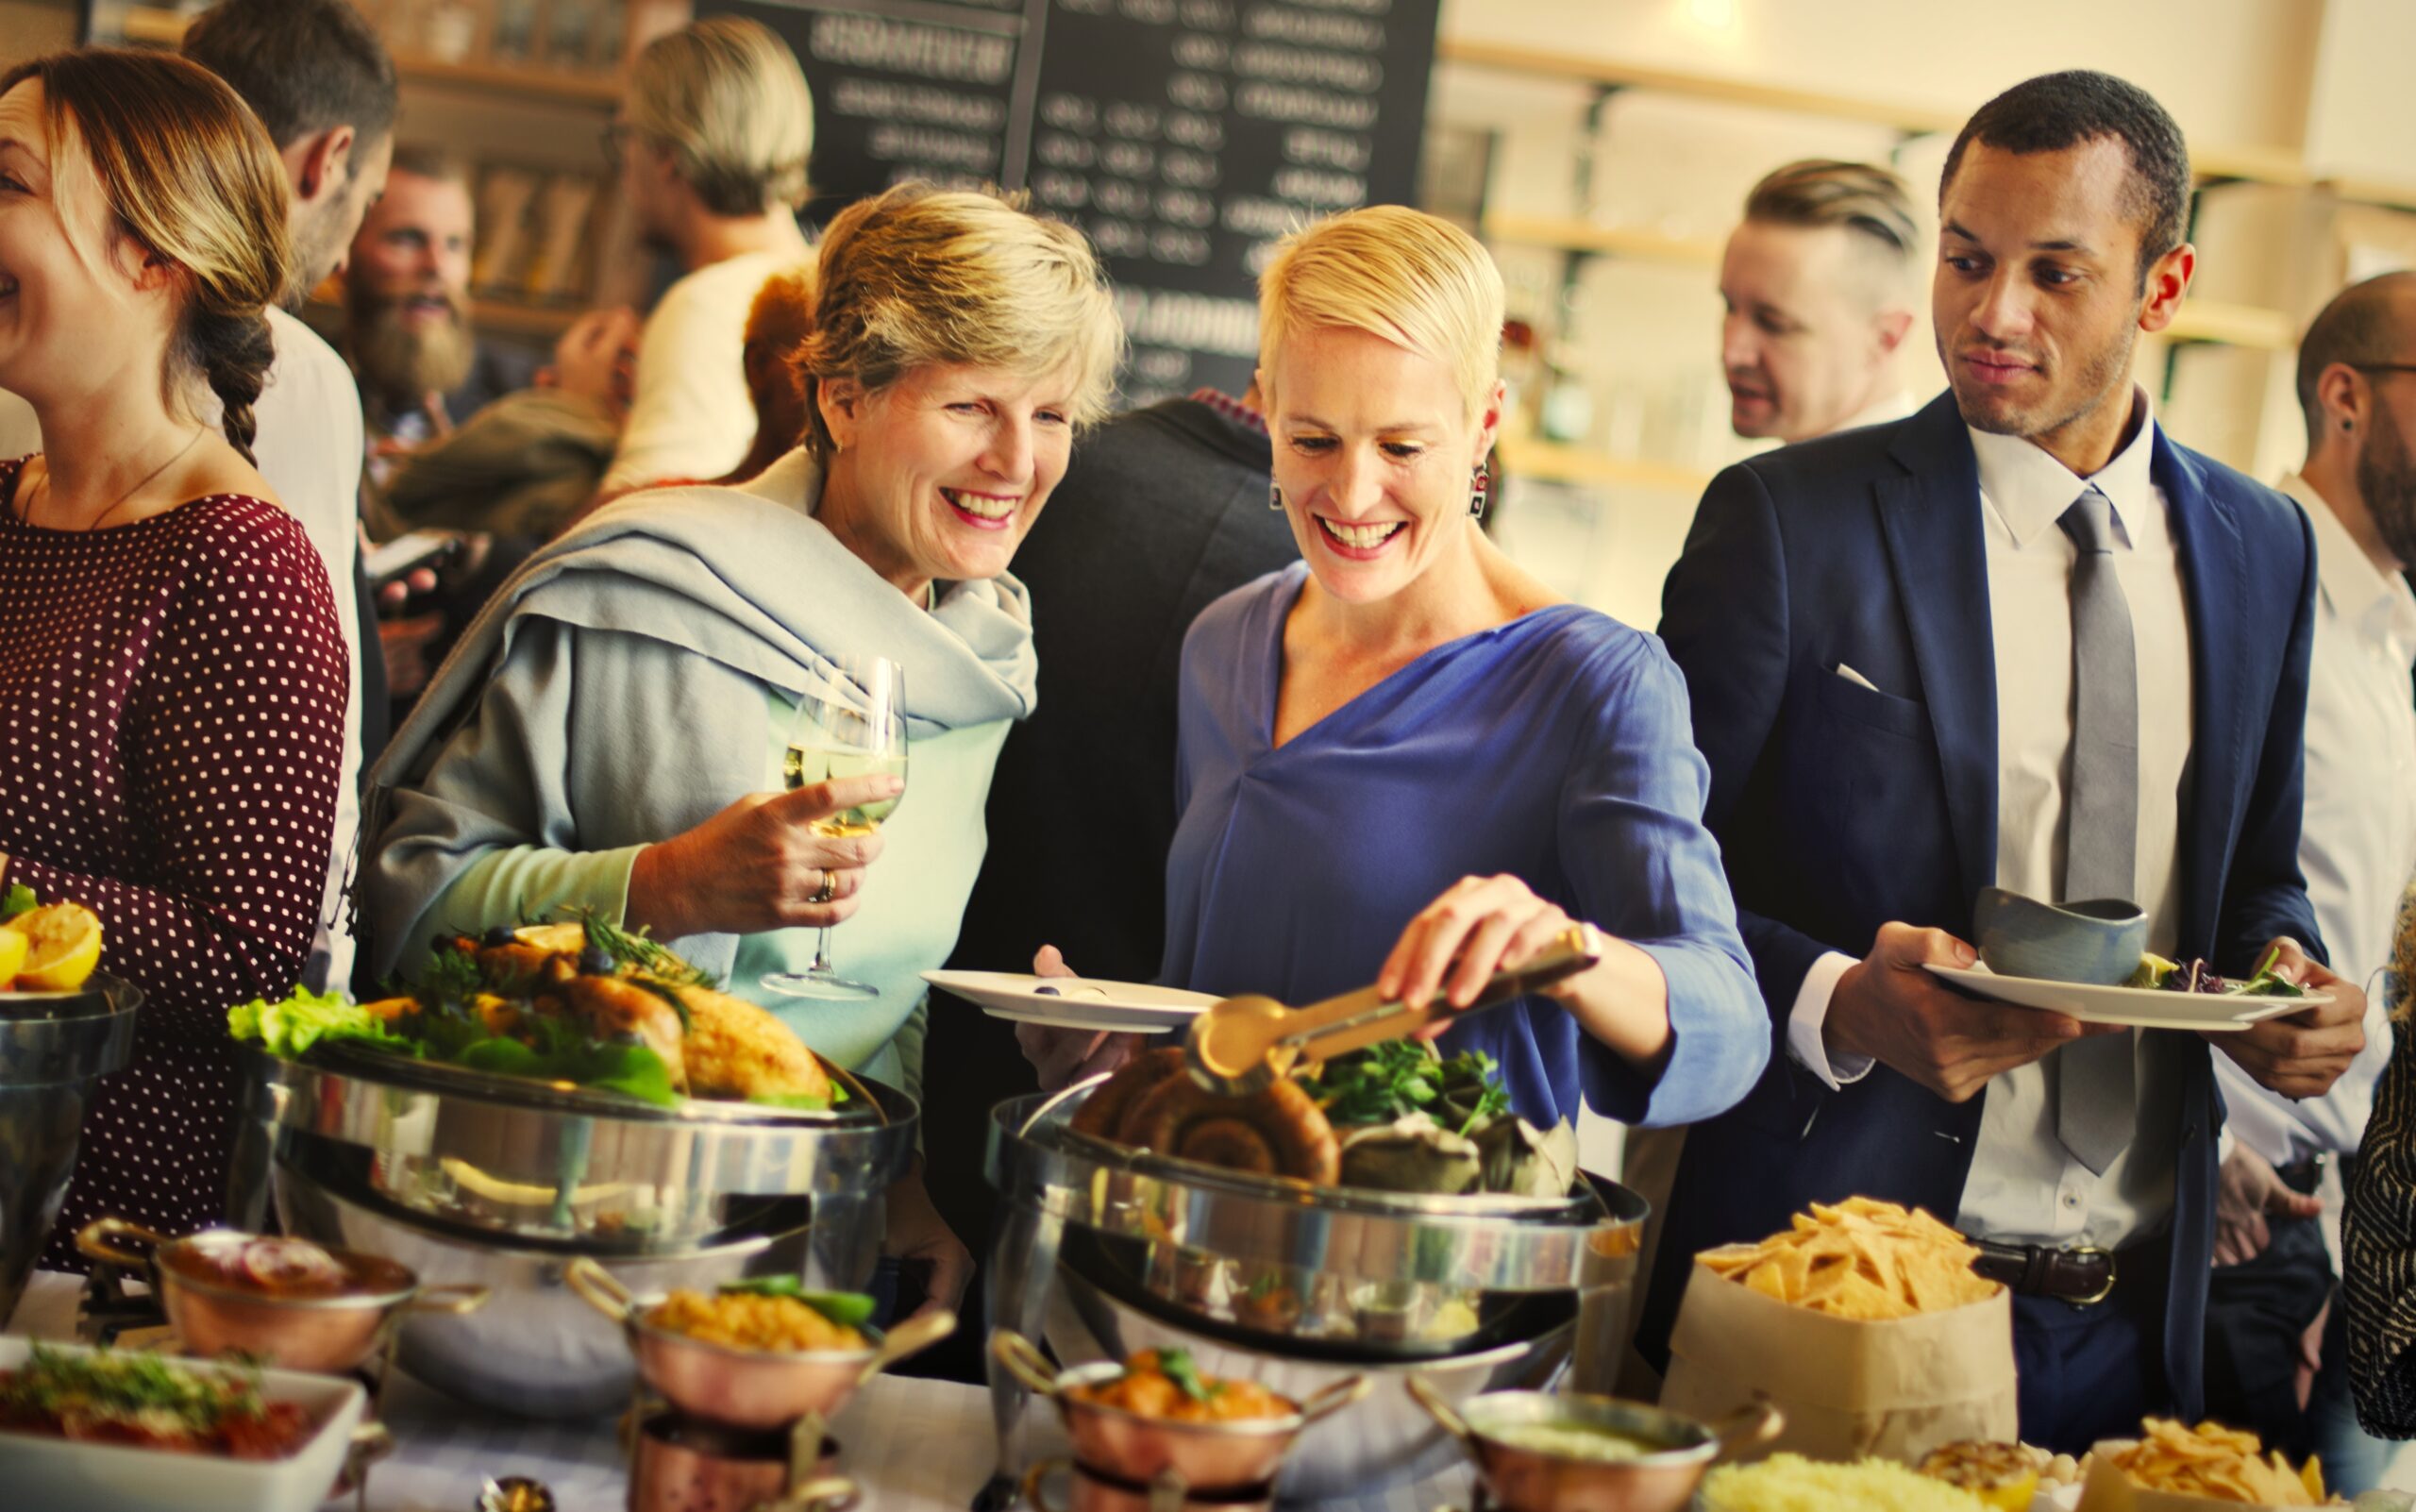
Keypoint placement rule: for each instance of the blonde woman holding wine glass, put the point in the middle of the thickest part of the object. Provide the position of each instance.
(603, 735)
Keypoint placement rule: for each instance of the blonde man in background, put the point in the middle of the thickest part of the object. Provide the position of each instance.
(1818, 282)
(711, 145)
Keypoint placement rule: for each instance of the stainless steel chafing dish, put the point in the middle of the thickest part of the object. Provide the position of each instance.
(1113, 1250)
(502, 1182)
(54, 1047)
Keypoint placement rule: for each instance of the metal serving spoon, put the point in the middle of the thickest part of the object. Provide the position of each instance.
(1243, 1044)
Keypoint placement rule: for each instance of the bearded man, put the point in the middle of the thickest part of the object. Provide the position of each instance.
(408, 330)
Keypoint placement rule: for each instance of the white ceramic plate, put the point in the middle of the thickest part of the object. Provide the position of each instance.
(2132, 1007)
(1075, 1002)
(59, 1476)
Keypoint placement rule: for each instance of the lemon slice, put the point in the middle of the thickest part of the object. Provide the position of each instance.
(64, 947)
(13, 947)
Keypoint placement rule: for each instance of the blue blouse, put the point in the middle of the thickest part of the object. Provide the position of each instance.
(1556, 747)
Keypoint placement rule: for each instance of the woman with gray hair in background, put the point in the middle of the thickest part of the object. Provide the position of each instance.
(605, 734)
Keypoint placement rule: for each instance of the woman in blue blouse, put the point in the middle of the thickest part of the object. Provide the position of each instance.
(1403, 760)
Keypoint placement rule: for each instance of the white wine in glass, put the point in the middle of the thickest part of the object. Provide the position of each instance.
(855, 726)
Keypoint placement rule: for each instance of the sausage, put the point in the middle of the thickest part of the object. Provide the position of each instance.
(1102, 1115)
(1300, 1140)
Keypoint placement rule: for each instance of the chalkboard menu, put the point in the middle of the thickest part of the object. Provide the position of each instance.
(1184, 135)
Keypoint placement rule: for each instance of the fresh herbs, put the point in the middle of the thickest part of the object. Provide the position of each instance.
(1178, 1366)
(849, 1309)
(120, 1385)
(633, 948)
(452, 976)
(1397, 1078)
(19, 899)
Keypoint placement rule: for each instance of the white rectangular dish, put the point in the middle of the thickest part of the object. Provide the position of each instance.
(59, 1476)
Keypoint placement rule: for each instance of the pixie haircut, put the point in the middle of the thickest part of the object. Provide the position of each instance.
(304, 66)
(1863, 198)
(2366, 323)
(919, 274)
(2056, 112)
(725, 97)
(1399, 273)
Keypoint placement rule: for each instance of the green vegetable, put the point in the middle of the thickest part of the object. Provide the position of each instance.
(19, 900)
(1390, 1081)
(124, 1385)
(2266, 982)
(290, 1026)
(849, 1309)
(1178, 1366)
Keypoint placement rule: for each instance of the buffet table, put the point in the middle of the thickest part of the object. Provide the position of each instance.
(916, 1445)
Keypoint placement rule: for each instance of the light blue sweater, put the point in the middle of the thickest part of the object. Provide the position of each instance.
(621, 690)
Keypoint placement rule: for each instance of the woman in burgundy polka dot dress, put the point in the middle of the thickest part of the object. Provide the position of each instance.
(172, 683)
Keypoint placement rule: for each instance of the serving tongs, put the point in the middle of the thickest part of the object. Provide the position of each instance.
(1243, 1044)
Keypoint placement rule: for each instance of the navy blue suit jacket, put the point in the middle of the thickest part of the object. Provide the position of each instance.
(1839, 808)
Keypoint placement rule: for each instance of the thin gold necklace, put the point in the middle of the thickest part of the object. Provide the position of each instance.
(190, 441)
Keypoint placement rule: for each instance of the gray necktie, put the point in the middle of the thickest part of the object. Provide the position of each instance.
(2095, 1113)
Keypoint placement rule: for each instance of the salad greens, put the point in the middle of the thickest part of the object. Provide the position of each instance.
(290, 1027)
(546, 1048)
(19, 899)
(1392, 1079)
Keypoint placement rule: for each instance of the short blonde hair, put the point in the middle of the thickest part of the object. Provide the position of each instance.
(726, 98)
(1412, 279)
(919, 274)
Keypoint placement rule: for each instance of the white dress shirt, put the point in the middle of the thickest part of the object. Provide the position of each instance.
(2023, 1186)
(310, 448)
(2357, 836)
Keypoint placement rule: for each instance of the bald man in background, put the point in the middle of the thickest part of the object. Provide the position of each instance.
(2276, 1347)
(1819, 284)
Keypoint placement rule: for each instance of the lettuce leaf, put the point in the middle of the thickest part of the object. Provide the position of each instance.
(290, 1027)
(19, 900)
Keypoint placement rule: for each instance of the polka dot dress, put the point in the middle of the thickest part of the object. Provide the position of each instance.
(171, 701)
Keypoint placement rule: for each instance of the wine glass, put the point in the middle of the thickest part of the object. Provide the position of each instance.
(854, 725)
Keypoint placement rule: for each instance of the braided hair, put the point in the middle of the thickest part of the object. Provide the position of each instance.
(187, 173)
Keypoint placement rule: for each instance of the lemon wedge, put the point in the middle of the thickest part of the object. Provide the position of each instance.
(13, 947)
(63, 947)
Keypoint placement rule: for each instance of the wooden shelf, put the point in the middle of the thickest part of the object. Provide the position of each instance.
(599, 90)
(2385, 192)
(1610, 240)
(2262, 165)
(509, 318)
(1552, 462)
(2211, 320)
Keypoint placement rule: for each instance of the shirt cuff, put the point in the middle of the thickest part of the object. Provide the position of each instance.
(1810, 1011)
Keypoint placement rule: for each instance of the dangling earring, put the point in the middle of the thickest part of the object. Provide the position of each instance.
(1477, 494)
(1275, 497)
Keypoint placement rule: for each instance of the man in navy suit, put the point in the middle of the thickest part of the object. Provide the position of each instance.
(2019, 639)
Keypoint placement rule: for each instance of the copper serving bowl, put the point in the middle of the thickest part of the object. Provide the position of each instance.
(1519, 1478)
(1202, 1456)
(327, 1335)
(1089, 1491)
(686, 1465)
(749, 1388)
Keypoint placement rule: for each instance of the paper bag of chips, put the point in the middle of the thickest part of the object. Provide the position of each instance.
(1863, 1322)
